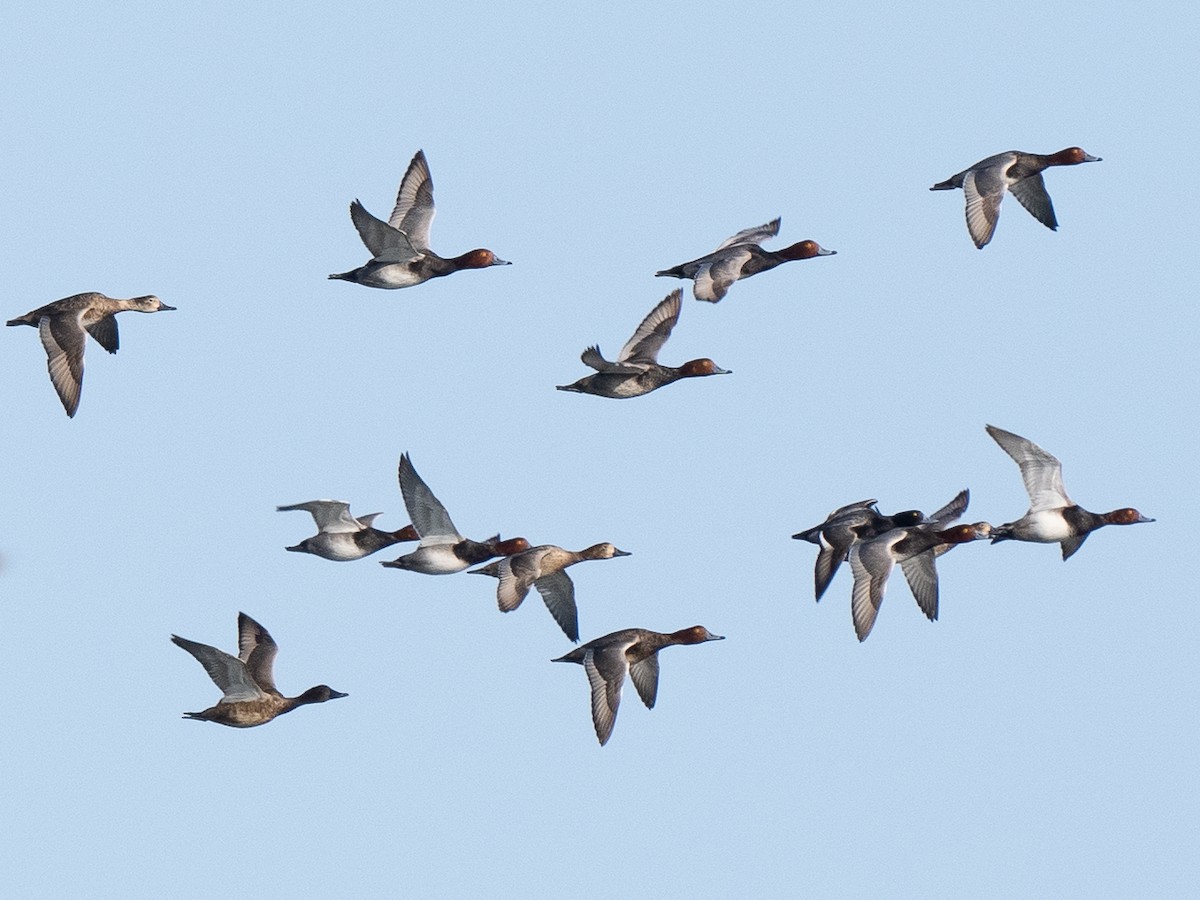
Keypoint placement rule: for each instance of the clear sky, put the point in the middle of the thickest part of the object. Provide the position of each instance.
(1039, 740)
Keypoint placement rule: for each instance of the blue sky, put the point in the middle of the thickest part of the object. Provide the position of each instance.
(1038, 740)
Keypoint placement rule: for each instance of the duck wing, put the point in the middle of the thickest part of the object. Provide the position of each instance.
(644, 675)
(425, 511)
(1031, 194)
(641, 350)
(713, 279)
(257, 649)
(63, 340)
(414, 210)
(872, 563)
(593, 358)
(755, 235)
(606, 669)
(921, 575)
(512, 589)
(104, 330)
(984, 189)
(1041, 471)
(558, 593)
(951, 512)
(227, 671)
(387, 244)
(330, 516)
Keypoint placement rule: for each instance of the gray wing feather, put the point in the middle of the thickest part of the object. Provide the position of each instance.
(1031, 194)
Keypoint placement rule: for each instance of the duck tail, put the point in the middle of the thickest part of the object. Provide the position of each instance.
(344, 276)
(947, 185)
(674, 272)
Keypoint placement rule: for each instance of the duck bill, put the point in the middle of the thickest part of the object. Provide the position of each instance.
(824, 252)
(162, 307)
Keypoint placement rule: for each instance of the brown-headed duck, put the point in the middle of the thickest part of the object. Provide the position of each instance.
(631, 651)
(637, 370)
(543, 567)
(62, 326)
(740, 257)
(400, 254)
(341, 536)
(915, 549)
(247, 680)
(985, 182)
(1052, 517)
(442, 550)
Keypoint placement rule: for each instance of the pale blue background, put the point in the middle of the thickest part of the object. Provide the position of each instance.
(1039, 740)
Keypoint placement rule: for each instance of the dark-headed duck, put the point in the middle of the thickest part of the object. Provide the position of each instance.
(247, 680)
(400, 254)
(985, 182)
(1052, 517)
(740, 257)
(341, 536)
(637, 370)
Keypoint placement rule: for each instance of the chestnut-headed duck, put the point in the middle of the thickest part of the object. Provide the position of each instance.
(915, 549)
(1052, 517)
(872, 569)
(1021, 173)
(845, 526)
(543, 567)
(64, 325)
(633, 652)
(341, 536)
(247, 680)
(637, 370)
(442, 550)
(400, 254)
(740, 257)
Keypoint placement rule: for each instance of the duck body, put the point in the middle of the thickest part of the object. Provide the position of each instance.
(542, 567)
(63, 326)
(247, 680)
(400, 252)
(633, 652)
(1020, 174)
(1053, 517)
(739, 257)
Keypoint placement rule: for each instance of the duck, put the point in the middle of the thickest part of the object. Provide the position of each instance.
(633, 652)
(342, 537)
(740, 257)
(1020, 173)
(1053, 518)
(63, 326)
(637, 370)
(865, 603)
(400, 254)
(543, 567)
(842, 528)
(915, 549)
(247, 681)
(442, 551)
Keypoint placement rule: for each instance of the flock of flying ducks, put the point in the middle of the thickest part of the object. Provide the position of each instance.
(872, 542)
